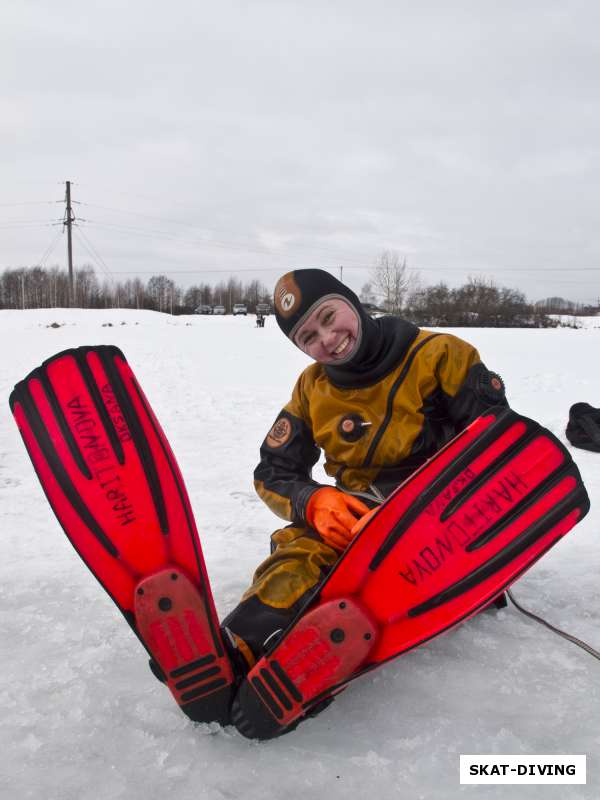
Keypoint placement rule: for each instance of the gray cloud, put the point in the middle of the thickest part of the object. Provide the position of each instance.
(278, 134)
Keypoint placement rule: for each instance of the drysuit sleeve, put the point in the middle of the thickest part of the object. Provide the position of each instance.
(283, 477)
(468, 386)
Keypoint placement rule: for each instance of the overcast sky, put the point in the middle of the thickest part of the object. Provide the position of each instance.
(255, 137)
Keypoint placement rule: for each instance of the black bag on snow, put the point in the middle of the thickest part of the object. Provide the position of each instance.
(583, 428)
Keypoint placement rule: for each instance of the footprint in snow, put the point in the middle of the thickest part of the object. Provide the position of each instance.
(247, 498)
(9, 483)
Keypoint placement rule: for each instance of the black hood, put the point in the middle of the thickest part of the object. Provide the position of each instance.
(382, 343)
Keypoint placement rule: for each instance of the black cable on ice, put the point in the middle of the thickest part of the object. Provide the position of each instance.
(584, 646)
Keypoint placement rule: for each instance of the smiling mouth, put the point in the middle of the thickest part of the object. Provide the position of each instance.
(342, 347)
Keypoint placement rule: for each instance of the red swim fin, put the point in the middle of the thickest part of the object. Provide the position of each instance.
(112, 480)
(442, 547)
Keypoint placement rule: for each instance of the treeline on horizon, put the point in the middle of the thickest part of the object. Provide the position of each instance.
(38, 287)
(478, 302)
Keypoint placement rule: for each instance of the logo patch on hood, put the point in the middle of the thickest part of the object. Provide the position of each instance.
(287, 295)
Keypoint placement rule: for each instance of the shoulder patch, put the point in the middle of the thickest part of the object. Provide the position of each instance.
(279, 433)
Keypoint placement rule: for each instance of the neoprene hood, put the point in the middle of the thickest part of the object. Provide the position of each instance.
(382, 343)
(298, 293)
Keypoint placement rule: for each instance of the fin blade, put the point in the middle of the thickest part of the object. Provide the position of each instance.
(448, 541)
(444, 568)
(112, 480)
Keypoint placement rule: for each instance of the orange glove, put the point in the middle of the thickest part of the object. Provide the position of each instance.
(333, 514)
(363, 521)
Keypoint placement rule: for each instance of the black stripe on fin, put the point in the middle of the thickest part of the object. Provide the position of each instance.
(200, 662)
(505, 419)
(58, 470)
(577, 499)
(501, 461)
(526, 502)
(96, 395)
(174, 472)
(137, 434)
(61, 420)
(201, 690)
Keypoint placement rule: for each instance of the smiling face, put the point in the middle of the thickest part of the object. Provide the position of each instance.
(330, 334)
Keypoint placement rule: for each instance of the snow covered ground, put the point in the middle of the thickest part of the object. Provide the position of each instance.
(568, 320)
(83, 718)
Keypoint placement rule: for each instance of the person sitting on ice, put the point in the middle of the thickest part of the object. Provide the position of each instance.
(381, 398)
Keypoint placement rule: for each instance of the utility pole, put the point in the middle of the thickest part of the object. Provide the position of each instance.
(69, 217)
(341, 274)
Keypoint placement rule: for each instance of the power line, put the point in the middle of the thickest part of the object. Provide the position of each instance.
(49, 250)
(206, 242)
(25, 224)
(96, 264)
(198, 228)
(278, 269)
(225, 272)
(36, 221)
(211, 242)
(256, 248)
(139, 196)
(137, 231)
(191, 235)
(92, 252)
(95, 252)
(84, 246)
(31, 203)
(171, 236)
(238, 246)
(134, 213)
(336, 268)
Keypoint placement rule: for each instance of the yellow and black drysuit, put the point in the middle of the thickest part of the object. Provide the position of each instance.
(374, 427)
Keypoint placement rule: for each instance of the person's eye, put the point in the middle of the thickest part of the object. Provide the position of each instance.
(328, 317)
(308, 339)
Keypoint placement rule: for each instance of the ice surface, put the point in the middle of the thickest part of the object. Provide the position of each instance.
(83, 718)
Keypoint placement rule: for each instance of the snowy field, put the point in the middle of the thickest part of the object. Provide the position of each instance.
(84, 719)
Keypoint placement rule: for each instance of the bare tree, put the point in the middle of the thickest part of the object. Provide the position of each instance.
(87, 286)
(367, 295)
(161, 289)
(391, 280)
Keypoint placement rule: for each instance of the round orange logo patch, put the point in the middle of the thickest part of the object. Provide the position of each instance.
(287, 295)
(279, 433)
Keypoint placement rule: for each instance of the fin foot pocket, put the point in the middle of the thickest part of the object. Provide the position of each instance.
(323, 650)
(171, 619)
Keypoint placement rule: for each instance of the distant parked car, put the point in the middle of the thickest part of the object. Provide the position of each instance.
(263, 308)
(239, 308)
(373, 310)
(218, 309)
(204, 310)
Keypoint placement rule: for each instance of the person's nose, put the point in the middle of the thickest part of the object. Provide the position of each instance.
(328, 338)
